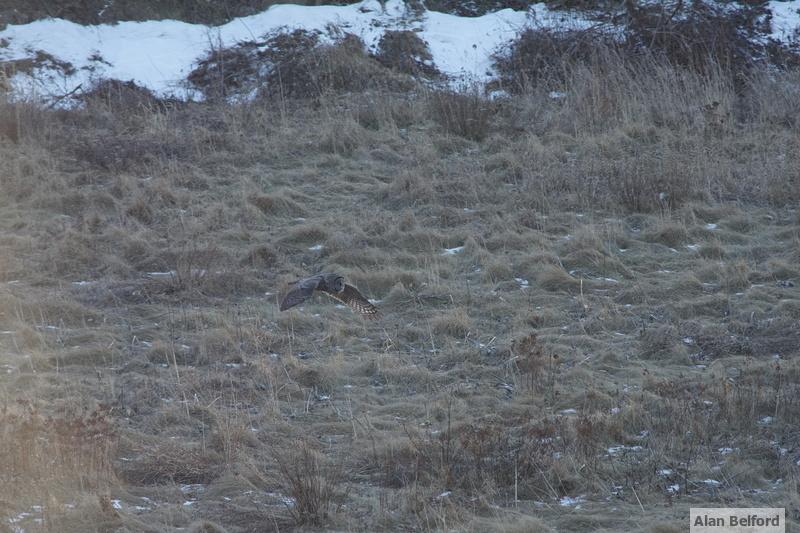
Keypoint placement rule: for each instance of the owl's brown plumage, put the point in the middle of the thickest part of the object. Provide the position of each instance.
(334, 286)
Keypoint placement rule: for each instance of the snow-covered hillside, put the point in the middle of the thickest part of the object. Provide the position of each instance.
(57, 56)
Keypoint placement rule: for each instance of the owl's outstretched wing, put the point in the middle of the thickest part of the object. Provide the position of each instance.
(302, 291)
(356, 301)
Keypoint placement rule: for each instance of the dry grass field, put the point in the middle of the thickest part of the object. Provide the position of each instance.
(590, 299)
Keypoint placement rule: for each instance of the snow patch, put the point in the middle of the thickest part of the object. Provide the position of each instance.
(785, 20)
(616, 450)
(568, 501)
(453, 251)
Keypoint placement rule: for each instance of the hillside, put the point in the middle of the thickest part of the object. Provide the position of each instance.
(586, 265)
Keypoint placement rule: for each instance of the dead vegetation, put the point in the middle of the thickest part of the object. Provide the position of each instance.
(590, 300)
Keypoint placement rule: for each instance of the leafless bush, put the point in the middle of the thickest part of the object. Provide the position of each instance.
(702, 37)
(121, 96)
(697, 35)
(293, 65)
(406, 52)
(545, 56)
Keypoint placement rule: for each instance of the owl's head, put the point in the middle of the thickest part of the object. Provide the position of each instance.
(335, 282)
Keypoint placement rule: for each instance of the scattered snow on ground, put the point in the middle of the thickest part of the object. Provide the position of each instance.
(453, 251)
(616, 450)
(567, 501)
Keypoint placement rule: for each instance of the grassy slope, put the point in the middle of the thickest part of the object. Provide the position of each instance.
(655, 329)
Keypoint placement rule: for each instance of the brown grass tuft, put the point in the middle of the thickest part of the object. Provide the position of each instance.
(553, 278)
(312, 481)
(168, 462)
(456, 324)
(465, 113)
(277, 204)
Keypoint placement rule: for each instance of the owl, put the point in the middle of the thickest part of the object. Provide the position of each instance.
(334, 286)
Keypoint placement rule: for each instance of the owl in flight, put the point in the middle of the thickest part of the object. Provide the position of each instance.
(334, 286)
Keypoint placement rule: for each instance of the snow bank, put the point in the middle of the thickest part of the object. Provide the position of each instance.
(160, 54)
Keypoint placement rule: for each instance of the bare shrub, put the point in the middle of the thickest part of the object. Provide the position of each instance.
(226, 70)
(293, 65)
(542, 55)
(697, 35)
(700, 36)
(338, 68)
(121, 96)
(406, 52)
